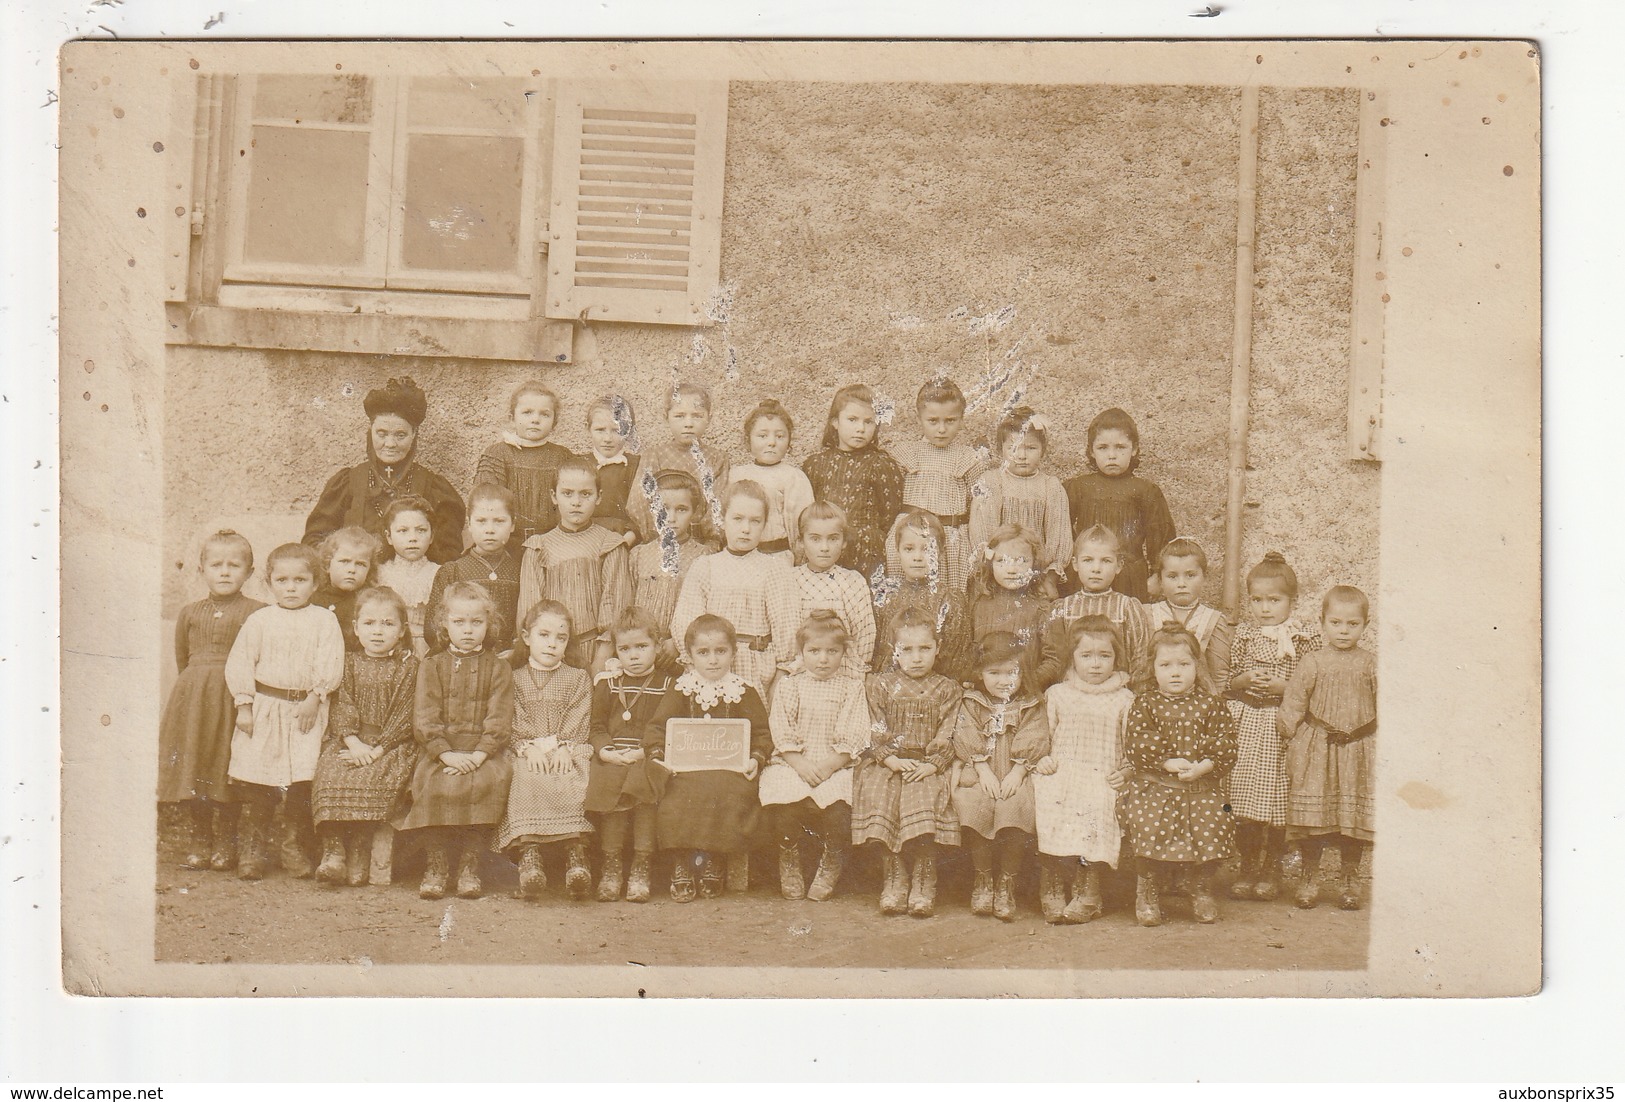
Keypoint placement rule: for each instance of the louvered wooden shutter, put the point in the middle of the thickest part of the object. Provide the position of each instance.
(635, 229)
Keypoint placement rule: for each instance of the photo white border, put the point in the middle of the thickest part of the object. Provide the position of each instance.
(1565, 1034)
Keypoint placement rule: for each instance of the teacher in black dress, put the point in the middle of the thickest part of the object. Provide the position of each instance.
(359, 495)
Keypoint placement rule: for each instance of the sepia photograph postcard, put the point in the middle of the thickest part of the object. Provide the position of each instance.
(799, 518)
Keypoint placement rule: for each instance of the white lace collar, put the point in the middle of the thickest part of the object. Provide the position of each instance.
(708, 694)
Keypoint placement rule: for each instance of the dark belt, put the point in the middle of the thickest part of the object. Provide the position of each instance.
(756, 642)
(1337, 736)
(773, 547)
(958, 520)
(1258, 700)
(293, 696)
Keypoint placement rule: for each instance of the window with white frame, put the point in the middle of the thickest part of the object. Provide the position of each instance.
(439, 215)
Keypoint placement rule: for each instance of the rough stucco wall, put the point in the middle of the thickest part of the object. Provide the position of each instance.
(1315, 505)
(1075, 244)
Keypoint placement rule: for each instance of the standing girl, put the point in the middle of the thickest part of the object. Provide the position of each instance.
(287, 659)
(820, 724)
(348, 556)
(1267, 649)
(1329, 719)
(1012, 591)
(1181, 744)
(1096, 559)
(407, 568)
(853, 471)
(490, 561)
(900, 793)
(579, 564)
(549, 754)
(709, 812)
(1018, 492)
(525, 461)
(1000, 733)
(611, 426)
(462, 716)
(938, 472)
(767, 435)
(1110, 493)
(368, 754)
(660, 566)
(1076, 785)
(623, 788)
(824, 584)
(1182, 576)
(755, 593)
(688, 416)
(918, 539)
(195, 735)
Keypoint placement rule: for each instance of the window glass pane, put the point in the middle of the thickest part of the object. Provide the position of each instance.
(310, 99)
(463, 203)
(454, 103)
(307, 197)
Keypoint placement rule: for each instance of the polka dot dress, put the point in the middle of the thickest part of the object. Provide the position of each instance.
(1164, 818)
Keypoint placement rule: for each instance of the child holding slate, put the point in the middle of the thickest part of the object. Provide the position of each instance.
(709, 812)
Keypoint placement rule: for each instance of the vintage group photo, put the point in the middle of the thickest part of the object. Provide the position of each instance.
(674, 518)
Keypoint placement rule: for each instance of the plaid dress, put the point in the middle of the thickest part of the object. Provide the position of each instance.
(1258, 785)
(1000, 735)
(1163, 817)
(1128, 614)
(817, 718)
(1036, 502)
(911, 719)
(1076, 808)
(464, 702)
(374, 704)
(868, 484)
(551, 710)
(939, 480)
(757, 594)
(498, 575)
(845, 593)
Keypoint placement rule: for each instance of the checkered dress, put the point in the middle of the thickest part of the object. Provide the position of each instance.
(1077, 809)
(911, 719)
(816, 718)
(550, 707)
(845, 593)
(757, 594)
(1258, 785)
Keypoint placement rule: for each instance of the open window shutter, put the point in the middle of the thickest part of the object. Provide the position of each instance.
(635, 226)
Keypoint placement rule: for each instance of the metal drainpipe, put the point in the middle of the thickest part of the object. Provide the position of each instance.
(1242, 350)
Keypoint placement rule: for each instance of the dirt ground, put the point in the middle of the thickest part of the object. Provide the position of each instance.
(211, 918)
